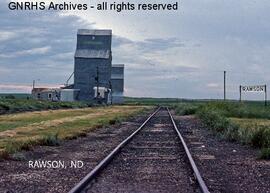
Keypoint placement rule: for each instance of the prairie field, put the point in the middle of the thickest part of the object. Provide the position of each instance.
(15, 105)
(21, 131)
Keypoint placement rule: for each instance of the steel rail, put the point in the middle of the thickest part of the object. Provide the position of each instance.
(197, 174)
(83, 183)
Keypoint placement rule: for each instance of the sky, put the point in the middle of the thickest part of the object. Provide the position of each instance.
(179, 53)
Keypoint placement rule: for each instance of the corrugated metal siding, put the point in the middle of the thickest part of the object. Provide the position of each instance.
(85, 73)
(93, 42)
(93, 50)
(69, 94)
(95, 32)
(117, 85)
(118, 69)
(84, 53)
(117, 98)
(117, 78)
(118, 65)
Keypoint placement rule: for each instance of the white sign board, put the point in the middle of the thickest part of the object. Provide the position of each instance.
(258, 88)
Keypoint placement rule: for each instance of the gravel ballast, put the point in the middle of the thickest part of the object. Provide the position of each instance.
(226, 166)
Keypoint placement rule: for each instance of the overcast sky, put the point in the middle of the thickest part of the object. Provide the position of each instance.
(166, 53)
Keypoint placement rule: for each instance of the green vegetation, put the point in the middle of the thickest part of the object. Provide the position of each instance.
(12, 146)
(154, 101)
(253, 131)
(215, 119)
(22, 105)
(186, 108)
(247, 123)
(15, 96)
(241, 110)
(265, 153)
(22, 131)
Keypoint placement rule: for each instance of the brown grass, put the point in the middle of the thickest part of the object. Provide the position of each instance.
(25, 130)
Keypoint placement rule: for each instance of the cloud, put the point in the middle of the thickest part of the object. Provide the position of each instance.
(15, 87)
(33, 51)
(150, 52)
(213, 85)
(6, 35)
(24, 88)
(37, 45)
(167, 54)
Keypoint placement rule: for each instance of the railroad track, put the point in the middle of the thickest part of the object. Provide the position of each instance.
(154, 158)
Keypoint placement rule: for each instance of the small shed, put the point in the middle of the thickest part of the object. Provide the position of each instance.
(49, 94)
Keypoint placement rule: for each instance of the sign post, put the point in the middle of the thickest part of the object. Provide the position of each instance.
(240, 89)
(224, 85)
(256, 88)
(265, 96)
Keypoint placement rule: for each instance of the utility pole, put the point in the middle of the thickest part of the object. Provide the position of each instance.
(224, 85)
(265, 95)
(240, 91)
(34, 84)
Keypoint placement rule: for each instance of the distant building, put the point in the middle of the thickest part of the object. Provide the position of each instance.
(49, 94)
(117, 83)
(55, 94)
(95, 79)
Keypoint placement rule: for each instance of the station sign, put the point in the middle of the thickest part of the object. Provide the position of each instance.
(256, 88)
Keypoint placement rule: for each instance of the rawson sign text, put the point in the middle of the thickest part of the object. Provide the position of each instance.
(258, 88)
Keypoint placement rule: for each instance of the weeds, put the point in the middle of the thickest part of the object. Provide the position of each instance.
(186, 108)
(14, 146)
(217, 117)
(115, 121)
(50, 140)
(241, 110)
(265, 153)
(22, 105)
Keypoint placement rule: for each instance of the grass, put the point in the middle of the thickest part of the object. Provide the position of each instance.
(265, 153)
(242, 110)
(186, 108)
(22, 131)
(255, 132)
(14, 145)
(15, 95)
(155, 101)
(247, 123)
(22, 105)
